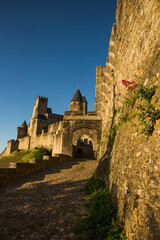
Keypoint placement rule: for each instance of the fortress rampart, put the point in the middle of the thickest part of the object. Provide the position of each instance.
(130, 159)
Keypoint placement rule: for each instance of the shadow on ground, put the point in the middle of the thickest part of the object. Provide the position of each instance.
(40, 174)
(36, 208)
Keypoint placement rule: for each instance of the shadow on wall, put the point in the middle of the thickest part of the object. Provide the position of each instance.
(103, 169)
(153, 225)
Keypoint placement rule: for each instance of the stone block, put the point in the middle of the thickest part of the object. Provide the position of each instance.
(47, 157)
(12, 165)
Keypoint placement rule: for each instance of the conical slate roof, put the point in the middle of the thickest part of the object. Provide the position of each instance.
(84, 99)
(24, 124)
(77, 96)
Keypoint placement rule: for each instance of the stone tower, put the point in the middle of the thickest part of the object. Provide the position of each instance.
(78, 103)
(22, 131)
(40, 106)
(38, 119)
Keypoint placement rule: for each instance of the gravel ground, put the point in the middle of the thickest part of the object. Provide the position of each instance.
(46, 204)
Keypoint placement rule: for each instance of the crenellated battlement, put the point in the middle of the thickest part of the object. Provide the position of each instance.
(41, 98)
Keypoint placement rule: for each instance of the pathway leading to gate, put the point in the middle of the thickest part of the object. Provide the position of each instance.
(46, 204)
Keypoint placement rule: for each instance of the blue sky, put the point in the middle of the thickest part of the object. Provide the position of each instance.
(46, 48)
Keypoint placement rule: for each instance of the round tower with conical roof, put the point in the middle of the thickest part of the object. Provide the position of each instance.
(76, 103)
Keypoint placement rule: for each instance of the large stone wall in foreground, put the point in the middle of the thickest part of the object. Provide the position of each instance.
(131, 161)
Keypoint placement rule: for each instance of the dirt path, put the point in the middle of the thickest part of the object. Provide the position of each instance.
(45, 205)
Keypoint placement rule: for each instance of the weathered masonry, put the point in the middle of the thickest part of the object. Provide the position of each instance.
(131, 164)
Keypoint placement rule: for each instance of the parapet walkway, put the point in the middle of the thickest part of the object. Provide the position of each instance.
(46, 204)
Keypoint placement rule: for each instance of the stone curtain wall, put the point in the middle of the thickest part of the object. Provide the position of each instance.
(130, 159)
(45, 140)
(24, 143)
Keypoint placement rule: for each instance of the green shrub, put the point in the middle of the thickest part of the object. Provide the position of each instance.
(40, 152)
(100, 223)
(146, 111)
(18, 150)
(93, 185)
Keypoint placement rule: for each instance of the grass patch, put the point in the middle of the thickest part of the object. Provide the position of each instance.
(93, 185)
(100, 223)
(23, 156)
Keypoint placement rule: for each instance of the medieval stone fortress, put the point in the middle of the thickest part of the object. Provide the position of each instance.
(57, 133)
(124, 128)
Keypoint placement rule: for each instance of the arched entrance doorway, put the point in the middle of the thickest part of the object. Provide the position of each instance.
(84, 148)
(84, 143)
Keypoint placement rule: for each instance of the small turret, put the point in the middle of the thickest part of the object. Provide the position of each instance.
(24, 124)
(22, 131)
(76, 102)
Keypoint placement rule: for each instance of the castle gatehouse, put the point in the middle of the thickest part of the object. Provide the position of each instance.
(77, 133)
